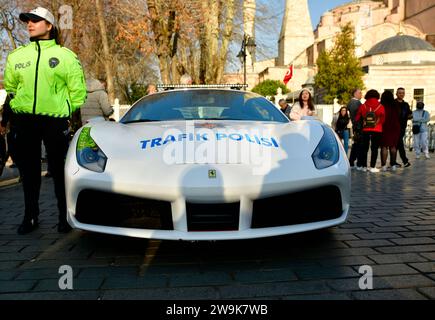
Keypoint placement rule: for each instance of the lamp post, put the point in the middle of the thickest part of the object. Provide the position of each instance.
(248, 43)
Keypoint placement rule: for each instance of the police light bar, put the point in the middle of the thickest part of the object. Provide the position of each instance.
(190, 86)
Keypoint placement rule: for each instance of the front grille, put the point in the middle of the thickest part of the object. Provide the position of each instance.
(115, 210)
(312, 205)
(213, 217)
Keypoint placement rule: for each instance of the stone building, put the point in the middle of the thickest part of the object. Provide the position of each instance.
(402, 61)
(407, 24)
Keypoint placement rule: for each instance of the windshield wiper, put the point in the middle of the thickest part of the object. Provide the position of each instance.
(139, 121)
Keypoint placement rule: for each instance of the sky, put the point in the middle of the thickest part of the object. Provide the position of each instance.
(269, 40)
(318, 7)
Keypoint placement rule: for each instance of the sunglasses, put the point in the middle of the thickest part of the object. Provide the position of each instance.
(34, 20)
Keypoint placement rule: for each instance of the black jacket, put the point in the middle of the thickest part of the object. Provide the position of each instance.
(405, 113)
(7, 114)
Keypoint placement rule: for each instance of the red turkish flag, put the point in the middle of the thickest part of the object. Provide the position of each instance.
(288, 75)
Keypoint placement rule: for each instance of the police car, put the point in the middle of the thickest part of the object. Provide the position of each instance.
(206, 163)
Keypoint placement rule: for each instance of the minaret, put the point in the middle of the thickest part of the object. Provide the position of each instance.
(249, 7)
(296, 31)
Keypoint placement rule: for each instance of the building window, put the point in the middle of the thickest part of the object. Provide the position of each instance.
(419, 95)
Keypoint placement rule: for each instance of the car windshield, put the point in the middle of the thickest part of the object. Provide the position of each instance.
(204, 104)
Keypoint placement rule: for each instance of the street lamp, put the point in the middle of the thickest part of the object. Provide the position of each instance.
(248, 43)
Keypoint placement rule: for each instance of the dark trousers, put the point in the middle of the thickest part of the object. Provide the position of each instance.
(355, 150)
(369, 140)
(12, 147)
(401, 149)
(31, 130)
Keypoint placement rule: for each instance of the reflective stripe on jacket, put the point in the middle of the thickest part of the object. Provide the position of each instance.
(46, 79)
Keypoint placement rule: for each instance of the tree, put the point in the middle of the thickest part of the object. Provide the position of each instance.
(12, 32)
(189, 36)
(136, 42)
(106, 52)
(269, 87)
(339, 70)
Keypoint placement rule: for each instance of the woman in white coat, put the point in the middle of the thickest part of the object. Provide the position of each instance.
(304, 107)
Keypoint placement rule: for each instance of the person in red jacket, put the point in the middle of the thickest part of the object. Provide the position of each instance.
(372, 113)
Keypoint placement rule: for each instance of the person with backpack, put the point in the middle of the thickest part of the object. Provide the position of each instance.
(420, 131)
(372, 113)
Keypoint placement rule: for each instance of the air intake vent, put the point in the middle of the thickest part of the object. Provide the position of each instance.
(297, 208)
(213, 217)
(115, 210)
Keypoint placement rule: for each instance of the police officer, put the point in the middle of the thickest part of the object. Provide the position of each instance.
(47, 84)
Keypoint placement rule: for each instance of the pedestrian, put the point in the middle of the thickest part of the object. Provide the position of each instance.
(151, 88)
(284, 107)
(405, 115)
(390, 131)
(341, 125)
(3, 151)
(8, 129)
(304, 107)
(48, 85)
(186, 79)
(97, 104)
(372, 114)
(3, 93)
(353, 107)
(419, 128)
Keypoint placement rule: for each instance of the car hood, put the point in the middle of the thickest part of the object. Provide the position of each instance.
(237, 155)
(186, 142)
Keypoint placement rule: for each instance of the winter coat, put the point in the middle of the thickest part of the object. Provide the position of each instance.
(421, 117)
(46, 79)
(297, 112)
(375, 106)
(97, 104)
(405, 114)
(353, 107)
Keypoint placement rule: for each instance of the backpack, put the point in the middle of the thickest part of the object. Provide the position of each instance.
(370, 119)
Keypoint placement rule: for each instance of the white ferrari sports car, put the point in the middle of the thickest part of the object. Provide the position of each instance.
(206, 164)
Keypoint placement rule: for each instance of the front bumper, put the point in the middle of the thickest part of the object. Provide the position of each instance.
(311, 204)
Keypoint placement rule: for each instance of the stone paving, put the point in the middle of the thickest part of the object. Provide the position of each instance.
(391, 228)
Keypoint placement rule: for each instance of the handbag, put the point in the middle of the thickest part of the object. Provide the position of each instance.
(416, 128)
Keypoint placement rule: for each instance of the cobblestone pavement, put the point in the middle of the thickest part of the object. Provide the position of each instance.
(391, 229)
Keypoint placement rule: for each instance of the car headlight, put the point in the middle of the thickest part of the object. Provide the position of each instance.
(89, 154)
(327, 152)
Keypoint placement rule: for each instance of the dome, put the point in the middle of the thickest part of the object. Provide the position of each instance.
(400, 43)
